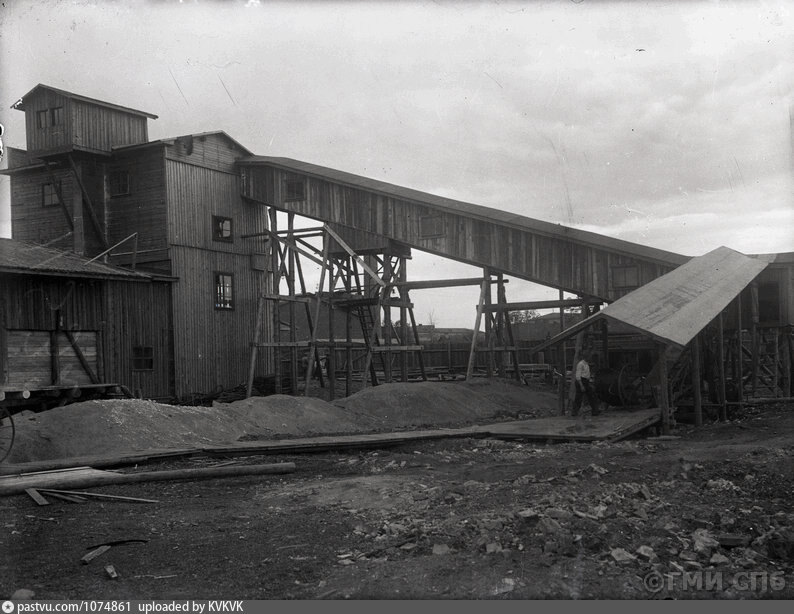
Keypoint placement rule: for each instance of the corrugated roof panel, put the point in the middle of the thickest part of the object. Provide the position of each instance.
(28, 258)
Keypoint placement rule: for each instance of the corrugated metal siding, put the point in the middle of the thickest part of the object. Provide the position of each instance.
(553, 261)
(212, 347)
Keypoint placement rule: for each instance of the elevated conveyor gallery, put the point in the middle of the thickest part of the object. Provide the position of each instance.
(553, 255)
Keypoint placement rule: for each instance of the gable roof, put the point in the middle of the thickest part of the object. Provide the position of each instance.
(675, 307)
(23, 258)
(170, 141)
(469, 209)
(21, 104)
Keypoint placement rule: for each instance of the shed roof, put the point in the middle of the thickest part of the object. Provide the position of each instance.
(170, 141)
(21, 104)
(21, 257)
(675, 307)
(463, 208)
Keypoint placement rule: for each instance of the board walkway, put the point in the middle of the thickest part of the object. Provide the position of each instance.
(611, 426)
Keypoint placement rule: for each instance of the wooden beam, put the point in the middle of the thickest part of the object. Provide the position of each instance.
(664, 402)
(520, 306)
(442, 283)
(721, 359)
(87, 200)
(484, 284)
(696, 381)
(355, 256)
(312, 352)
(3, 344)
(81, 357)
(56, 186)
(260, 318)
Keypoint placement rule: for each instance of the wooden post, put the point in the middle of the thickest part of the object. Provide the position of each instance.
(260, 315)
(664, 402)
(489, 362)
(501, 316)
(473, 352)
(313, 342)
(721, 358)
(740, 350)
(402, 276)
(561, 366)
(787, 361)
(754, 333)
(510, 337)
(275, 263)
(330, 358)
(387, 326)
(349, 333)
(293, 333)
(696, 381)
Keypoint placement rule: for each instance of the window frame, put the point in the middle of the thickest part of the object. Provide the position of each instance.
(438, 229)
(219, 292)
(289, 183)
(217, 221)
(54, 193)
(112, 184)
(142, 355)
(42, 118)
(56, 116)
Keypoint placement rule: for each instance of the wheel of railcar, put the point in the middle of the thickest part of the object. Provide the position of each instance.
(6, 433)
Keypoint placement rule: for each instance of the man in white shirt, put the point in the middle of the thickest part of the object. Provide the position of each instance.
(584, 387)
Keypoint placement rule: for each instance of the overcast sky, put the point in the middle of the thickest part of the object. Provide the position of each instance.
(667, 124)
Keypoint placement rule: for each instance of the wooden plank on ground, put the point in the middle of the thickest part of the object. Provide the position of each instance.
(85, 560)
(98, 495)
(34, 494)
(68, 498)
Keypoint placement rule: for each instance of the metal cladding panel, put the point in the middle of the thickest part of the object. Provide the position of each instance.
(678, 305)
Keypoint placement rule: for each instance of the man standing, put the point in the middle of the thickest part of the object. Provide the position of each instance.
(584, 387)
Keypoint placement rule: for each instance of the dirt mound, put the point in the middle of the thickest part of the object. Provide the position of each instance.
(130, 425)
(280, 414)
(444, 404)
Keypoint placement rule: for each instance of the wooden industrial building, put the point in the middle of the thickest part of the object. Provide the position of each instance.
(69, 326)
(200, 211)
(90, 180)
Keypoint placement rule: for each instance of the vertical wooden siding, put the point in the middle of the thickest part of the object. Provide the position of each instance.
(30, 220)
(143, 210)
(119, 314)
(51, 137)
(212, 347)
(99, 128)
(549, 260)
(139, 314)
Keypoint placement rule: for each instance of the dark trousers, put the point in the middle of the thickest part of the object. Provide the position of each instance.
(585, 389)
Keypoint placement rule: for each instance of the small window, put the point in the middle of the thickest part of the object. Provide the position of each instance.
(49, 194)
(431, 226)
(296, 189)
(119, 183)
(56, 115)
(224, 291)
(41, 118)
(625, 277)
(142, 358)
(222, 228)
